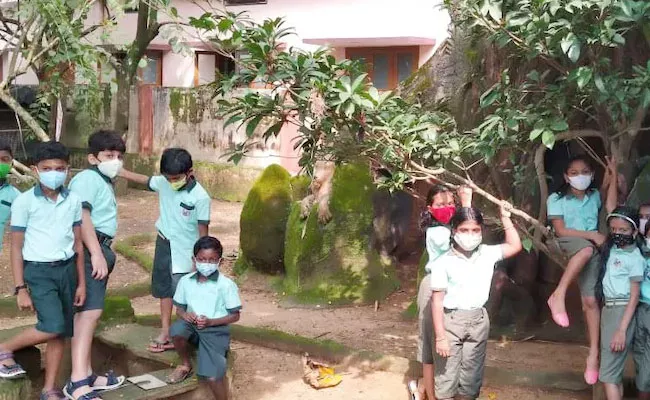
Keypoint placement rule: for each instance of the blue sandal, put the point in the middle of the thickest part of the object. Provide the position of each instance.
(112, 381)
(70, 388)
(13, 371)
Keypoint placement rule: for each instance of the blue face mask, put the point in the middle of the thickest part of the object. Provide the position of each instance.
(207, 269)
(52, 179)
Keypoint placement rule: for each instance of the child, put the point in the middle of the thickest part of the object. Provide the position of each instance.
(644, 216)
(207, 302)
(641, 349)
(461, 281)
(8, 193)
(573, 210)
(45, 250)
(623, 271)
(94, 186)
(441, 207)
(184, 217)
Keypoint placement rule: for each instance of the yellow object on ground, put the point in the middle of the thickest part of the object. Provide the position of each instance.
(319, 375)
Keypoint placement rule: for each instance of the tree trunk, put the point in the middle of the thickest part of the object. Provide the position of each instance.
(121, 123)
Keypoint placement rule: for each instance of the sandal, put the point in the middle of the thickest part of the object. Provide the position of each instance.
(13, 371)
(52, 394)
(180, 374)
(71, 387)
(157, 346)
(112, 381)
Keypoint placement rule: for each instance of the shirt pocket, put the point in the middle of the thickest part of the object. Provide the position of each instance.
(187, 211)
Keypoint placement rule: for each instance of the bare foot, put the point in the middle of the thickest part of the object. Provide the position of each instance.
(558, 310)
(591, 370)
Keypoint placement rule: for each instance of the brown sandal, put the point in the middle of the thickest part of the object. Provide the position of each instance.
(160, 347)
(180, 374)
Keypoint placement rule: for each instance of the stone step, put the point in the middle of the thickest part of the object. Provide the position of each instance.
(19, 389)
(133, 392)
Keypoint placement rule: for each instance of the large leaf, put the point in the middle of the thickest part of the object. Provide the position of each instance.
(570, 45)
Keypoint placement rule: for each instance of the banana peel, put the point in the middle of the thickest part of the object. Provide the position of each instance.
(318, 375)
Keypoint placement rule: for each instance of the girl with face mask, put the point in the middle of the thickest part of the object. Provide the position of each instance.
(441, 206)
(461, 281)
(621, 273)
(573, 212)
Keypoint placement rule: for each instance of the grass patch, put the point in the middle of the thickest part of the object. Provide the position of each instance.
(129, 248)
(411, 312)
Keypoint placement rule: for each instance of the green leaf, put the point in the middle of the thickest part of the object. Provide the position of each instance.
(174, 12)
(274, 129)
(571, 47)
(600, 84)
(142, 63)
(224, 24)
(548, 139)
(374, 94)
(453, 144)
(646, 98)
(527, 244)
(534, 134)
(559, 125)
(489, 96)
(583, 76)
(252, 125)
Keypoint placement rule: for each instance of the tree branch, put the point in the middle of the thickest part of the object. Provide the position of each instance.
(22, 113)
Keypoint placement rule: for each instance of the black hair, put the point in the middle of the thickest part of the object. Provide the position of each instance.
(175, 161)
(426, 219)
(464, 214)
(5, 145)
(50, 151)
(630, 214)
(103, 140)
(565, 188)
(207, 243)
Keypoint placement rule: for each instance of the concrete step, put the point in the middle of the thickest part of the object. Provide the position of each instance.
(133, 392)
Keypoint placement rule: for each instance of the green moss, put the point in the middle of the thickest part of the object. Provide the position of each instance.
(263, 220)
(142, 165)
(226, 181)
(336, 263)
(300, 186)
(176, 103)
(15, 389)
(118, 308)
(129, 249)
(241, 266)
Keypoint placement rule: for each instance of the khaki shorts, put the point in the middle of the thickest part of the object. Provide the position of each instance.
(461, 374)
(612, 364)
(641, 348)
(425, 322)
(588, 278)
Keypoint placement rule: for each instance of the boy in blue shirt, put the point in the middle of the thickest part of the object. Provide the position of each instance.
(184, 218)
(8, 193)
(207, 302)
(94, 186)
(48, 264)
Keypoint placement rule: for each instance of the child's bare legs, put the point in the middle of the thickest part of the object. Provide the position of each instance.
(613, 391)
(27, 338)
(85, 323)
(428, 376)
(166, 306)
(53, 357)
(557, 300)
(592, 318)
(218, 388)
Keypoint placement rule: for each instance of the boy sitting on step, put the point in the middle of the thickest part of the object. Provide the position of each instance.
(207, 303)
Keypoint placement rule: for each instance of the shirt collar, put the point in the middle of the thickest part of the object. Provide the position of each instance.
(38, 191)
(191, 183)
(104, 177)
(458, 254)
(214, 277)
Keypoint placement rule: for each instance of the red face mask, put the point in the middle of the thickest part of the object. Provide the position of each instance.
(443, 214)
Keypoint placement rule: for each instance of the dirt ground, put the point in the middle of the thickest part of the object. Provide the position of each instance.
(268, 375)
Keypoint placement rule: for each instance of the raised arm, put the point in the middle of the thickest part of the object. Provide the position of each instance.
(465, 196)
(611, 198)
(512, 244)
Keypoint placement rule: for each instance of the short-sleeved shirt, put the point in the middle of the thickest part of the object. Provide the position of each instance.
(48, 224)
(8, 194)
(95, 190)
(213, 298)
(578, 214)
(437, 241)
(623, 266)
(645, 284)
(181, 213)
(466, 281)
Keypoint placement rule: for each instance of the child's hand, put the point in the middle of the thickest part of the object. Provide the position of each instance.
(465, 196)
(618, 341)
(612, 167)
(201, 322)
(100, 268)
(506, 209)
(80, 296)
(190, 317)
(24, 301)
(442, 347)
(598, 238)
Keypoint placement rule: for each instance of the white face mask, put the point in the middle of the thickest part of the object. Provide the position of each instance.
(580, 182)
(468, 241)
(207, 269)
(642, 223)
(110, 168)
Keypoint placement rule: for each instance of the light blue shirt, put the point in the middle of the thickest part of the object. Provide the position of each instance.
(623, 267)
(97, 196)
(578, 214)
(645, 284)
(466, 281)
(47, 224)
(8, 194)
(181, 212)
(214, 298)
(438, 242)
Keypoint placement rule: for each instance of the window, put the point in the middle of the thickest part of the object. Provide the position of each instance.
(151, 74)
(209, 66)
(386, 66)
(244, 2)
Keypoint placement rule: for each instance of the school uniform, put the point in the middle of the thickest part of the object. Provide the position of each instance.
(95, 190)
(623, 267)
(581, 215)
(181, 213)
(8, 194)
(48, 255)
(641, 347)
(466, 283)
(216, 297)
(437, 243)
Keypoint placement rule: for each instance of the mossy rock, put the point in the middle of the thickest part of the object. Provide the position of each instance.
(300, 186)
(263, 220)
(20, 389)
(336, 262)
(118, 308)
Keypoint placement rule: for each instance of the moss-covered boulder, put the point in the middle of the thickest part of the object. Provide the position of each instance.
(264, 219)
(336, 262)
(118, 308)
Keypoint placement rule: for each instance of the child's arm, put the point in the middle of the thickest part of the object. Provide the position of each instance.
(512, 244)
(134, 177)
(17, 240)
(465, 196)
(231, 318)
(437, 310)
(89, 238)
(618, 340)
(187, 316)
(561, 231)
(611, 197)
(203, 215)
(80, 294)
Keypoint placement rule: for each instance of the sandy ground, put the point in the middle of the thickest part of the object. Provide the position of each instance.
(264, 374)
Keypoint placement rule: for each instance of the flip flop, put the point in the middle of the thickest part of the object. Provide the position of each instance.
(156, 346)
(180, 374)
